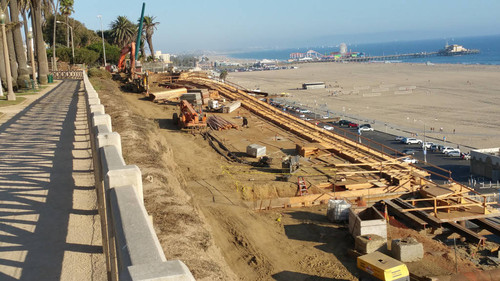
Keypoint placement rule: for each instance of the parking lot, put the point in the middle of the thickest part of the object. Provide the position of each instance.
(437, 162)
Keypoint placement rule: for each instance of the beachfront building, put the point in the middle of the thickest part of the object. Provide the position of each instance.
(162, 57)
(486, 163)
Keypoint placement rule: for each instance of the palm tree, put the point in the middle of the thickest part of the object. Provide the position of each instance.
(149, 27)
(10, 44)
(122, 31)
(36, 16)
(66, 9)
(22, 69)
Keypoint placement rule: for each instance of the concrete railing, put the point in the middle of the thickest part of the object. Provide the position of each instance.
(130, 244)
(67, 74)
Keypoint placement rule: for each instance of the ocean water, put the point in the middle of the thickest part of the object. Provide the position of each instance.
(489, 47)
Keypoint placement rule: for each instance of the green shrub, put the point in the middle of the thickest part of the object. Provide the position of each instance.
(97, 72)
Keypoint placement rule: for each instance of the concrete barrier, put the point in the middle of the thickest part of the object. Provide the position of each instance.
(132, 249)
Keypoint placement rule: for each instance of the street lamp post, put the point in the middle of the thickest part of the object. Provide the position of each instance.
(72, 45)
(10, 90)
(102, 36)
(33, 72)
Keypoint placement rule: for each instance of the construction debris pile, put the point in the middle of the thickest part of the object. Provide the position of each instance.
(218, 123)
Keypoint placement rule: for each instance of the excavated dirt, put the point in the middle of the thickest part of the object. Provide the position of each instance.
(200, 203)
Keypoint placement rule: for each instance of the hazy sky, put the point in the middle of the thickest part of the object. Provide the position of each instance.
(234, 25)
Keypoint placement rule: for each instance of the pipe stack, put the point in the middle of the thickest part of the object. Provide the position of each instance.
(218, 123)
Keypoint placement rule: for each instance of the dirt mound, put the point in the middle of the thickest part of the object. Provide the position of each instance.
(181, 228)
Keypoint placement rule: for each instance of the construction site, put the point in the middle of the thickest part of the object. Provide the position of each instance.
(269, 196)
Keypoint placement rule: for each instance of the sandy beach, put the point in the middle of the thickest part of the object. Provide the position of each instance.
(458, 102)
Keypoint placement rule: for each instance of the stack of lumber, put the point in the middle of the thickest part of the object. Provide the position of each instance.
(168, 94)
(219, 123)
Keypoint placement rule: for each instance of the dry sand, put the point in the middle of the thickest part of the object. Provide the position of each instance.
(406, 97)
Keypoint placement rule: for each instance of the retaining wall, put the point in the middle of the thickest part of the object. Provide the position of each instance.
(130, 244)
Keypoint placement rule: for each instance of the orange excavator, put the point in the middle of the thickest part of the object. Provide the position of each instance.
(189, 118)
(130, 48)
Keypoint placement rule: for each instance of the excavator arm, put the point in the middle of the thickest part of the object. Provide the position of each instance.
(130, 48)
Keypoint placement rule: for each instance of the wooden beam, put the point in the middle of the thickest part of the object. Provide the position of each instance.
(446, 207)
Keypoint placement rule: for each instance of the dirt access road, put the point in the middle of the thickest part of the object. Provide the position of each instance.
(199, 210)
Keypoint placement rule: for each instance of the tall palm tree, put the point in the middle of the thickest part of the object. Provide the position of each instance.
(149, 27)
(122, 31)
(43, 65)
(22, 64)
(66, 10)
(10, 44)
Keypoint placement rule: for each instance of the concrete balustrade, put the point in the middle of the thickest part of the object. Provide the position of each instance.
(132, 249)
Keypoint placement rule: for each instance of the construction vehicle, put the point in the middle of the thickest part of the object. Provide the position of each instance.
(129, 48)
(379, 267)
(189, 117)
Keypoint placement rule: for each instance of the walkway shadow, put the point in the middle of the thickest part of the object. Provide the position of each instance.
(297, 276)
(37, 185)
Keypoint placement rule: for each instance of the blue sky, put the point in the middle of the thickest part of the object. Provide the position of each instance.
(222, 25)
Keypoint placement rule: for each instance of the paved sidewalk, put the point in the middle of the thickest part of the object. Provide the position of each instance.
(49, 225)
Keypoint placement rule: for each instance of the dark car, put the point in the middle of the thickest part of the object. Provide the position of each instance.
(352, 125)
(366, 125)
(409, 151)
(344, 122)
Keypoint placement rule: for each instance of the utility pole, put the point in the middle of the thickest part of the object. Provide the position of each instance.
(102, 36)
(72, 45)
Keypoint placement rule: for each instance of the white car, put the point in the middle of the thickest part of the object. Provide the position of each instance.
(453, 152)
(365, 129)
(328, 127)
(447, 149)
(399, 138)
(427, 144)
(411, 141)
(410, 160)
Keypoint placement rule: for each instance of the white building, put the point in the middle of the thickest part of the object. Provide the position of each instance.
(162, 57)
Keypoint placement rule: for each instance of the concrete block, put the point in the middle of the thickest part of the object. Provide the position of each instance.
(111, 158)
(136, 240)
(112, 138)
(101, 119)
(174, 270)
(92, 101)
(96, 109)
(370, 243)
(363, 221)
(125, 175)
(407, 249)
(92, 94)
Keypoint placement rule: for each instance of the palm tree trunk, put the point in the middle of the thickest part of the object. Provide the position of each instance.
(26, 28)
(54, 54)
(10, 45)
(150, 44)
(3, 73)
(43, 65)
(22, 70)
(67, 32)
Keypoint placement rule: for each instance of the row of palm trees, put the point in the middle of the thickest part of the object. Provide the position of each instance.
(123, 31)
(33, 14)
(37, 11)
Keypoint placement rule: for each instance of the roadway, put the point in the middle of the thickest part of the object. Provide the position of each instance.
(437, 162)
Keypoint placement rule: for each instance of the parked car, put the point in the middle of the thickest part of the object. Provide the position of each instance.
(352, 125)
(454, 153)
(344, 122)
(328, 127)
(411, 141)
(410, 160)
(409, 151)
(399, 138)
(446, 149)
(465, 156)
(366, 125)
(363, 128)
(436, 147)
(427, 144)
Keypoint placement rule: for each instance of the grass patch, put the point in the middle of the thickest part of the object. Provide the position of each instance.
(5, 102)
(96, 83)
